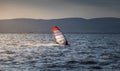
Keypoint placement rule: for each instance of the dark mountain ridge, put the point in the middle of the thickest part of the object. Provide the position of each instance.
(67, 25)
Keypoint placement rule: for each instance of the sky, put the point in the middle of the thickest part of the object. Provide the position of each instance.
(53, 9)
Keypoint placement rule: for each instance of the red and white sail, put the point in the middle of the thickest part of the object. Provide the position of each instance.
(59, 37)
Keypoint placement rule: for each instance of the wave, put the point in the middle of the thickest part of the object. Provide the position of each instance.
(33, 44)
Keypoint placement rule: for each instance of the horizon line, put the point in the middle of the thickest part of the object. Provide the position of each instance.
(57, 18)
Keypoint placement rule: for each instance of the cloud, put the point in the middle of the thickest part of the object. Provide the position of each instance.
(60, 8)
(94, 2)
(107, 4)
(112, 4)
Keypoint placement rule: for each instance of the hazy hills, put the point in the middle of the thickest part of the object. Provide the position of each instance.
(71, 25)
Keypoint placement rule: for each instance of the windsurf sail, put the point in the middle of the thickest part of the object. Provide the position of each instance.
(59, 37)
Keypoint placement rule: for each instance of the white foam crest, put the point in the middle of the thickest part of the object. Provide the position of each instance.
(30, 44)
(41, 44)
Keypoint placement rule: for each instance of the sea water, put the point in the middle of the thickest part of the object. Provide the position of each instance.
(39, 52)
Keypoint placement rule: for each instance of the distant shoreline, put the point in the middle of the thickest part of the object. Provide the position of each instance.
(67, 25)
(52, 33)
